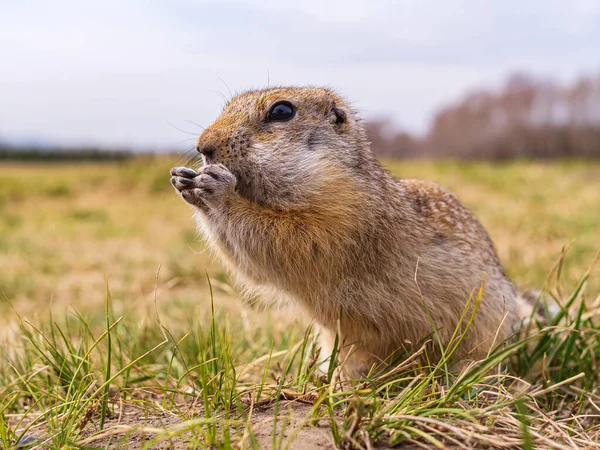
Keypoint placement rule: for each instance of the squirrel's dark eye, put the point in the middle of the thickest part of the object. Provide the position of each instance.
(281, 111)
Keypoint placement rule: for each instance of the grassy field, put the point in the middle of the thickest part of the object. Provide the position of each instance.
(118, 329)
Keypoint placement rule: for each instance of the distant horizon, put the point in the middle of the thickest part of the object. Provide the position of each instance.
(39, 143)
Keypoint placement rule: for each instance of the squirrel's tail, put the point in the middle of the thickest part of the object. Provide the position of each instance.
(533, 304)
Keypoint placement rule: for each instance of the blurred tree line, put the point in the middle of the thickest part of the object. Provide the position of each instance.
(526, 118)
(61, 154)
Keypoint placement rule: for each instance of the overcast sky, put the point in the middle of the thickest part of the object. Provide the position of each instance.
(130, 72)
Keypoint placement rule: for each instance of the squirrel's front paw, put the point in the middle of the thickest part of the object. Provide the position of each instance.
(206, 188)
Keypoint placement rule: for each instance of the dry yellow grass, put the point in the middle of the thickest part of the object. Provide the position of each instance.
(65, 229)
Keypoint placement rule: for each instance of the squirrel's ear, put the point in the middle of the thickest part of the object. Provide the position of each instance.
(339, 114)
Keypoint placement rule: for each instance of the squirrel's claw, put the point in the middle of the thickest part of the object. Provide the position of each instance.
(183, 172)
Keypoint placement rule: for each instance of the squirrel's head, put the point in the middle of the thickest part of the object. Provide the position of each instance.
(284, 144)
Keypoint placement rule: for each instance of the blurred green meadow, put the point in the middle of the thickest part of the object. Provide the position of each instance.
(65, 229)
(116, 323)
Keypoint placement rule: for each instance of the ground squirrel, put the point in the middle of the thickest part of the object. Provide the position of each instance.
(292, 199)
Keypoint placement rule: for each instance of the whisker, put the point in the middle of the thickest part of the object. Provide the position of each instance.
(183, 131)
(192, 160)
(185, 157)
(220, 94)
(185, 140)
(194, 123)
(187, 150)
(195, 161)
(229, 90)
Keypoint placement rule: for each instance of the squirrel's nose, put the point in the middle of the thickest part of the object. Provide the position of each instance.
(208, 151)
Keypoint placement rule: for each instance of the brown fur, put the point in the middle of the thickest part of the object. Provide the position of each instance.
(303, 210)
